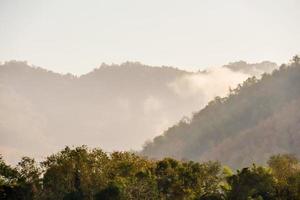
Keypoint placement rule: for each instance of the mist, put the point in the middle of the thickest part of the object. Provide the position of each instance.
(115, 107)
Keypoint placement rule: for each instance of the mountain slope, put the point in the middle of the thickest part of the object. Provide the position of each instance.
(116, 107)
(228, 128)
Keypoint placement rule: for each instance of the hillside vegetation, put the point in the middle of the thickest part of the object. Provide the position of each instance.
(257, 119)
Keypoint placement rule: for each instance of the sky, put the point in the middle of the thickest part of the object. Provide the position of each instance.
(77, 36)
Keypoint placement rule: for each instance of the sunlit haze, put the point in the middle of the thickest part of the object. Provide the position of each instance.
(154, 100)
(77, 36)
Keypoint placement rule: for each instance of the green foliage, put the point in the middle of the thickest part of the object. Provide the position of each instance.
(21, 182)
(251, 183)
(8, 175)
(83, 171)
(283, 166)
(91, 174)
(286, 170)
(111, 192)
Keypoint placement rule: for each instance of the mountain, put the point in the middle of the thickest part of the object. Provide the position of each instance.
(257, 119)
(116, 107)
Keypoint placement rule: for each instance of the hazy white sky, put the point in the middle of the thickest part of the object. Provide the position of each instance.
(76, 36)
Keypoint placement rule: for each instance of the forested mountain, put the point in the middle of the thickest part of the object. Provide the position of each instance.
(257, 119)
(116, 107)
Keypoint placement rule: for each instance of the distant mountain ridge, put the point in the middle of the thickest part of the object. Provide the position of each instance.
(116, 107)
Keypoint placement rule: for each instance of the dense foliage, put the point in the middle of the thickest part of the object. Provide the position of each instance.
(82, 173)
(256, 120)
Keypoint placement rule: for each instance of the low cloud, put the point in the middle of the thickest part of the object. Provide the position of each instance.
(207, 85)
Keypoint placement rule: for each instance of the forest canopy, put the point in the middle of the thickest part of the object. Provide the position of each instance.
(82, 173)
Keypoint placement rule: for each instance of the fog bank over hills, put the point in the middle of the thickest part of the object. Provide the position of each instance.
(115, 107)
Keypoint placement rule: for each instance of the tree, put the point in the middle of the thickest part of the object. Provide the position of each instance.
(111, 192)
(8, 182)
(286, 170)
(251, 183)
(8, 175)
(283, 166)
(29, 177)
(187, 180)
(134, 176)
(83, 173)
